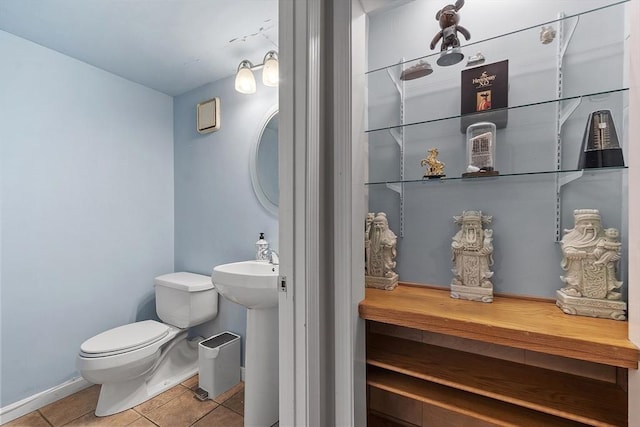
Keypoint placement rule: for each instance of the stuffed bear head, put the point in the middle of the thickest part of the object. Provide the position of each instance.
(448, 15)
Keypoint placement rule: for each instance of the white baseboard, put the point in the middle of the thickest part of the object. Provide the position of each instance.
(37, 401)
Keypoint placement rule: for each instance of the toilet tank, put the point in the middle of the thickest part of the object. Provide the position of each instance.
(185, 299)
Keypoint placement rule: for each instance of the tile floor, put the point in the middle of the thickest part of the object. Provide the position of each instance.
(176, 407)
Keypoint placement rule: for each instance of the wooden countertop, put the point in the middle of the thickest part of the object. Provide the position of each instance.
(516, 322)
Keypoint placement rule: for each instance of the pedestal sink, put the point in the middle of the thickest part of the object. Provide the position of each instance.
(254, 285)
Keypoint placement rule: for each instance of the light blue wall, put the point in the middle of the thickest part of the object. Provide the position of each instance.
(87, 209)
(218, 216)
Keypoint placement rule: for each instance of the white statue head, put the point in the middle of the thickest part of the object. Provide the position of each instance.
(472, 219)
(611, 233)
(380, 221)
(587, 223)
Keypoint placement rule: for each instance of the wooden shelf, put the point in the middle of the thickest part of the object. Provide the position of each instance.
(486, 379)
(515, 322)
(375, 419)
(465, 405)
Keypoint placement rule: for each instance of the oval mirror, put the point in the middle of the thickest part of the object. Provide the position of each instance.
(264, 163)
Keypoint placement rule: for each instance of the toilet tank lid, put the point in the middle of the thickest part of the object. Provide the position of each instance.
(185, 281)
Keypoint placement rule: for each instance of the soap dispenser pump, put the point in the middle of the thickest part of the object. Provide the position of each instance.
(262, 249)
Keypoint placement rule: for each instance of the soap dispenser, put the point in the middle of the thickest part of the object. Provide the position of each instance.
(262, 247)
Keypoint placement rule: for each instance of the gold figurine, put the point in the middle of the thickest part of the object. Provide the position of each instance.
(435, 168)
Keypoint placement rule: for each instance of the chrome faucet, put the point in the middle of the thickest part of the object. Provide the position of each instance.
(269, 254)
(274, 258)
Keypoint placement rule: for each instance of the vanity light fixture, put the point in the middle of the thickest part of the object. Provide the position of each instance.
(270, 71)
(245, 80)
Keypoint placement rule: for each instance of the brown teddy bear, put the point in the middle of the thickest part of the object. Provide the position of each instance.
(448, 18)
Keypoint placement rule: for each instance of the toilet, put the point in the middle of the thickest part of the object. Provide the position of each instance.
(137, 361)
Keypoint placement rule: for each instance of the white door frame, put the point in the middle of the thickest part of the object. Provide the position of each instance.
(633, 12)
(322, 380)
(348, 50)
(299, 140)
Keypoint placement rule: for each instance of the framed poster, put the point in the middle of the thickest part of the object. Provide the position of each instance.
(485, 95)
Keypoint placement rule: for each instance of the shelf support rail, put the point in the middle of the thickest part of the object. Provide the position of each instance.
(563, 112)
(398, 136)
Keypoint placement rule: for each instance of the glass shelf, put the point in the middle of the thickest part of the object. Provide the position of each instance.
(577, 98)
(529, 144)
(566, 173)
(497, 37)
(580, 62)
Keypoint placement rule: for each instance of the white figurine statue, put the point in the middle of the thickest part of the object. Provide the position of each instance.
(380, 253)
(367, 242)
(590, 255)
(472, 255)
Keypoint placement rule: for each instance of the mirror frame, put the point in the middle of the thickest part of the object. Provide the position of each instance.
(271, 207)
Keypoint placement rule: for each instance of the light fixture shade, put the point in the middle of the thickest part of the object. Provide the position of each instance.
(245, 81)
(270, 72)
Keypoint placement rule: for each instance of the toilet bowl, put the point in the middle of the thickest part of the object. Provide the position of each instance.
(137, 361)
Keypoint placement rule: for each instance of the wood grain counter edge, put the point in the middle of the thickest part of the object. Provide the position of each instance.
(527, 323)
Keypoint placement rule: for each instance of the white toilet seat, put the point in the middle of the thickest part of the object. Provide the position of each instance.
(124, 339)
(131, 358)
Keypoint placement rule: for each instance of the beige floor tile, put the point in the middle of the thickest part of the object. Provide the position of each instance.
(71, 407)
(182, 411)
(236, 402)
(161, 399)
(174, 408)
(32, 419)
(116, 420)
(222, 397)
(220, 417)
(142, 422)
(191, 383)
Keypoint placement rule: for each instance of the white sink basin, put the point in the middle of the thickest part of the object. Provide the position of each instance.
(253, 284)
